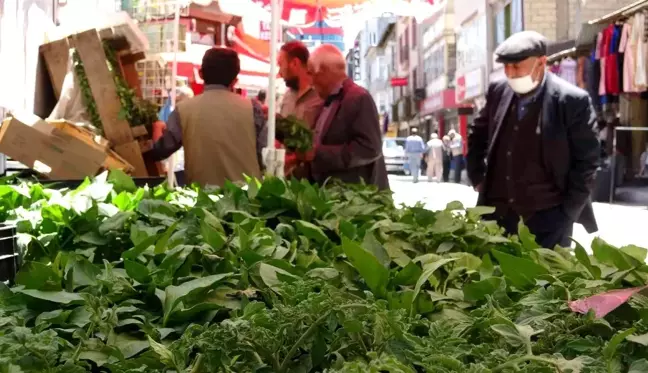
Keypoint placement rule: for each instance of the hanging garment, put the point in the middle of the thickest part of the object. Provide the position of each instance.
(630, 36)
(621, 55)
(593, 78)
(611, 46)
(580, 73)
(600, 55)
(555, 68)
(568, 70)
(640, 73)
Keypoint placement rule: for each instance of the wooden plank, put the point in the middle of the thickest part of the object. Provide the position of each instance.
(56, 56)
(131, 58)
(104, 92)
(139, 131)
(103, 88)
(131, 153)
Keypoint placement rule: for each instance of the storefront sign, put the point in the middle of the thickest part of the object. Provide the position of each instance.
(264, 31)
(470, 85)
(399, 82)
(440, 100)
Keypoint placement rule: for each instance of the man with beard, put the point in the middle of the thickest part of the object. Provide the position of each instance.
(300, 100)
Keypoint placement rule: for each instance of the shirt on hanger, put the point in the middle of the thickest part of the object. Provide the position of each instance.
(568, 70)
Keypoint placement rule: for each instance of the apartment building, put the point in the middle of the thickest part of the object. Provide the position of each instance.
(406, 77)
(439, 110)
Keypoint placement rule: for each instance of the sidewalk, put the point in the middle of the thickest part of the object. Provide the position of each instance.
(619, 225)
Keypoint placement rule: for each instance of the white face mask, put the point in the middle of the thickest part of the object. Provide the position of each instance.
(524, 84)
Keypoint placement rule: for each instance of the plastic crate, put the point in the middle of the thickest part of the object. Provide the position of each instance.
(9, 255)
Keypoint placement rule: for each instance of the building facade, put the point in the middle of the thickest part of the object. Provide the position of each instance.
(439, 110)
(559, 20)
(406, 77)
(387, 48)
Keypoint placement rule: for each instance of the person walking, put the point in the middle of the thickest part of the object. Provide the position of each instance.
(434, 153)
(532, 149)
(447, 159)
(414, 149)
(457, 150)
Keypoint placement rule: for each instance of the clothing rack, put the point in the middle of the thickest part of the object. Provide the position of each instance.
(621, 13)
(571, 52)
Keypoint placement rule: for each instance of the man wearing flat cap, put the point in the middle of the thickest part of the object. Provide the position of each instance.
(532, 149)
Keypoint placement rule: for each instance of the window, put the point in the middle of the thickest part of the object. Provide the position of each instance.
(434, 62)
(508, 21)
(471, 44)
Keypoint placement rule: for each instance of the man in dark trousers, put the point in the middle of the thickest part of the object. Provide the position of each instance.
(532, 150)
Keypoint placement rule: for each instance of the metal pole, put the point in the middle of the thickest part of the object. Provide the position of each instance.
(174, 75)
(613, 165)
(272, 89)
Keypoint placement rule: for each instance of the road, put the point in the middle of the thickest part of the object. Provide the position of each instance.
(618, 225)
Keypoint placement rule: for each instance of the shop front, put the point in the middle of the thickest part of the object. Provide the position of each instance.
(470, 93)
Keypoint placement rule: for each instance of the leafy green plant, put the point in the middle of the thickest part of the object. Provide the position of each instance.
(284, 276)
(294, 134)
(135, 110)
(86, 92)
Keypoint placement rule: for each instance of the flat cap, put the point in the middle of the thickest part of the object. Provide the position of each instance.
(520, 46)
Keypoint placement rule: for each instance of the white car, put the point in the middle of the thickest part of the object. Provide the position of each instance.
(394, 153)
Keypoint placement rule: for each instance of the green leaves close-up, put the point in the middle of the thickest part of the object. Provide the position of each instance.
(284, 276)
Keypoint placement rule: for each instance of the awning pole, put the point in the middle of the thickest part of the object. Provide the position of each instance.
(273, 158)
(174, 76)
(272, 89)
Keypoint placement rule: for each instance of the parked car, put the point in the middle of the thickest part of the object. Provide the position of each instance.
(394, 153)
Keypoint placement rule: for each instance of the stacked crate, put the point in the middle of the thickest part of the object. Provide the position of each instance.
(127, 40)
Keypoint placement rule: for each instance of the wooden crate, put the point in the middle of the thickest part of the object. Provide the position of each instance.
(89, 46)
(113, 159)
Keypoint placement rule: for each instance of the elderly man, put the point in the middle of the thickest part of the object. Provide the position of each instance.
(434, 152)
(532, 150)
(348, 142)
(414, 149)
(222, 132)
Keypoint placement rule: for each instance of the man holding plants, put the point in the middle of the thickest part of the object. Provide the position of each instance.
(532, 150)
(348, 139)
(300, 100)
(222, 133)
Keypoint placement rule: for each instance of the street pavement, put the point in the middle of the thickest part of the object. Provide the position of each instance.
(618, 225)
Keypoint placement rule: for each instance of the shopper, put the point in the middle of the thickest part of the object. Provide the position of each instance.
(301, 100)
(414, 150)
(532, 150)
(447, 159)
(456, 148)
(348, 142)
(222, 133)
(643, 161)
(261, 99)
(434, 152)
